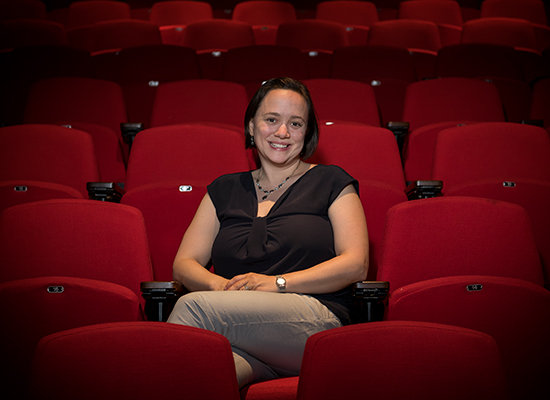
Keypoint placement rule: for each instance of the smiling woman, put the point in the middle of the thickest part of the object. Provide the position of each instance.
(286, 242)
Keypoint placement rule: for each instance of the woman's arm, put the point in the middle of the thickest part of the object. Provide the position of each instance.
(195, 251)
(350, 264)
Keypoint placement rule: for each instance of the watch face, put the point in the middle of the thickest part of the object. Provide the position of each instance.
(281, 281)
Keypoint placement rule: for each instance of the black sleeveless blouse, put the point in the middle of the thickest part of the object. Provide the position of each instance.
(295, 235)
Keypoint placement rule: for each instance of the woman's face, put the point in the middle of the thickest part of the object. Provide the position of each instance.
(279, 127)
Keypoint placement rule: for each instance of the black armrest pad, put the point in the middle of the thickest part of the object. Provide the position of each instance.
(105, 191)
(161, 289)
(424, 189)
(376, 290)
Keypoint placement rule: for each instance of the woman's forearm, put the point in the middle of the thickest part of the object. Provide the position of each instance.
(195, 277)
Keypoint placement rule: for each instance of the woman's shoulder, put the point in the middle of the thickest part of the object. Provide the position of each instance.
(229, 181)
(331, 171)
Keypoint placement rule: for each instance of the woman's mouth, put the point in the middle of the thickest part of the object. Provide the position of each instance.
(278, 145)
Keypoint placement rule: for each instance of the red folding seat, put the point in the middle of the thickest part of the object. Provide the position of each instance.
(111, 36)
(436, 104)
(405, 360)
(199, 100)
(316, 39)
(75, 238)
(22, 9)
(530, 10)
(31, 32)
(446, 14)
(265, 17)
(141, 70)
(504, 31)
(456, 236)
(512, 311)
(168, 208)
(47, 153)
(93, 105)
(252, 65)
(421, 38)
(191, 152)
(365, 152)
(37, 307)
(357, 16)
(388, 69)
(172, 17)
(23, 191)
(211, 39)
(344, 100)
(80, 362)
(86, 13)
(540, 105)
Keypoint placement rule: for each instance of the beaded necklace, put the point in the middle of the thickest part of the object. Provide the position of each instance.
(268, 192)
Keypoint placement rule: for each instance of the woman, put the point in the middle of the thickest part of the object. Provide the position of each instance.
(286, 242)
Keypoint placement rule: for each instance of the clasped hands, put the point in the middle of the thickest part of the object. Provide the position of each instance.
(252, 281)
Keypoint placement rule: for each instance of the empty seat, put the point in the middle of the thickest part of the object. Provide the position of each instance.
(23, 191)
(37, 307)
(265, 17)
(31, 32)
(433, 105)
(344, 100)
(514, 312)
(168, 208)
(357, 16)
(199, 100)
(111, 36)
(172, 17)
(531, 10)
(191, 152)
(75, 238)
(456, 236)
(172, 355)
(540, 105)
(388, 69)
(86, 13)
(432, 361)
(47, 153)
(447, 15)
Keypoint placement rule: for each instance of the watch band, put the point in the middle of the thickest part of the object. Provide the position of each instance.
(280, 281)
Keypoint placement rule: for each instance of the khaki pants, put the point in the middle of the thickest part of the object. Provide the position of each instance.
(267, 331)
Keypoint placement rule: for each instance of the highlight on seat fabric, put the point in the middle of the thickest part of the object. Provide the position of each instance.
(86, 13)
(447, 102)
(252, 65)
(37, 307)
(366, 152)
(448, 236)
(111, 36)
(344, 100)
(448, 362)
(140, 360)
(357, 16)
(199, 100)
(48, 154)
(388, 69)
(265, 17)
(31, 32)
(173, 16)
(168, 208)
(512, 311)
(191, 152)
(75, 238)
(446, 15)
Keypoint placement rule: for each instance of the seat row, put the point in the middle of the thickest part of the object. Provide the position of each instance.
(461, 261)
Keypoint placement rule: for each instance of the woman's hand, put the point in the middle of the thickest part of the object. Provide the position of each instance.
(252, 281)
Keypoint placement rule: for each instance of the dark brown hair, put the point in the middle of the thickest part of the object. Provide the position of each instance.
(312, 130)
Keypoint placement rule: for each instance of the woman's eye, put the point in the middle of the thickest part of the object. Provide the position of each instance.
(297, 124)
(270, 120)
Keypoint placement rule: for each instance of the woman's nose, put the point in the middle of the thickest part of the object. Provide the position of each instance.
(282, 132)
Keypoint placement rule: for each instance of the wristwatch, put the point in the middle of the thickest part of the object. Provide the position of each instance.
(281, 283)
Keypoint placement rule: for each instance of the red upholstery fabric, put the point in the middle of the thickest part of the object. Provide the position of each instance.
(264, 13)
(139, 360)
(166, 13)
(532, 195)
(168, 210)
(115, 35)
(199, 100)
(76, 238)
(411, 34)
(89, 12)
(184, 153)
(17, 192)
(410, 360)
(531, 10)
(48, 153)
(31, 32)
(344, 100)
(36, 307)
(217, 34)
(276, 389)
(349, 13)
(514, 312)
(504, 31)
(540, 106)
(365, 152)
(449, 236)
(312, 35)
(503, 150)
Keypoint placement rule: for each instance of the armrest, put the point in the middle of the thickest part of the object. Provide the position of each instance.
(129, 131)
(160, 298)
(424, 189)
(105, 191)
(399, 130)
(534, 122)
(371, 298)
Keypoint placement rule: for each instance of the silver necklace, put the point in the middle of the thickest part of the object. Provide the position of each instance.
(268, 192)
